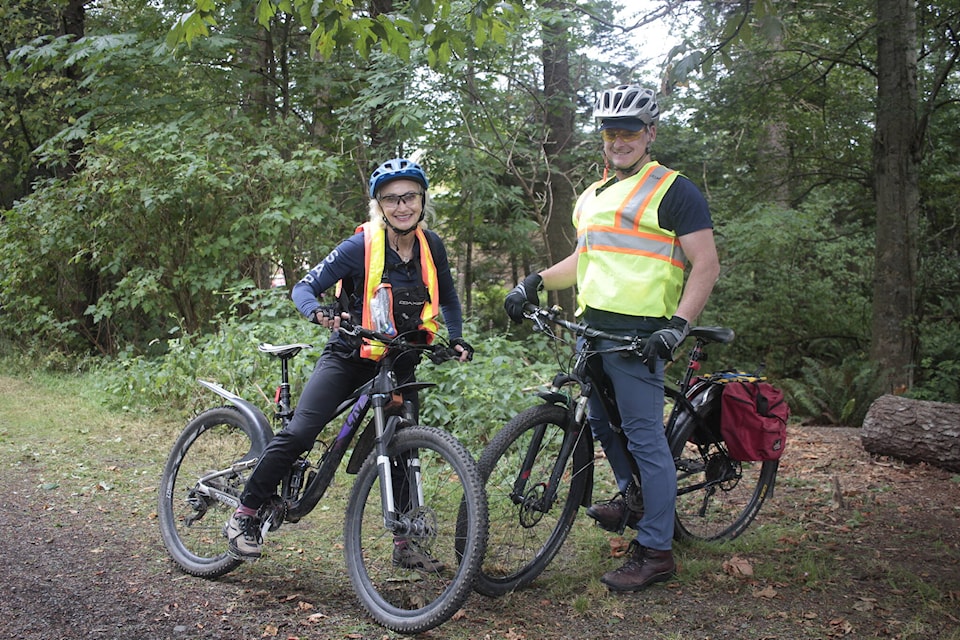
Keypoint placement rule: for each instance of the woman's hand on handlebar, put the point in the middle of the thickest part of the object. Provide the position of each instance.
(463, 348)
(327, 316)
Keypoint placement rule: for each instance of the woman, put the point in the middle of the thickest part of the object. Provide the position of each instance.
(392, 276)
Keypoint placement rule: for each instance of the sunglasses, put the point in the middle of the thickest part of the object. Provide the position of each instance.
(393, 201)
(609, 135)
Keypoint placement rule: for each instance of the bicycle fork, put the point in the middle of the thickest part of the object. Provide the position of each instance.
(541, 497)
(403, 521)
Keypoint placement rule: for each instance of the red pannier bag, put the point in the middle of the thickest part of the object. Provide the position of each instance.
(753, 420)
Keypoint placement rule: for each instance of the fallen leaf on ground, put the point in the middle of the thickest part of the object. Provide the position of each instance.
(737, 566)
(618, 547)
(768, 592)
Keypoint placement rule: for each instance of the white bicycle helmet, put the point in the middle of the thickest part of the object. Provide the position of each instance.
(628, 101)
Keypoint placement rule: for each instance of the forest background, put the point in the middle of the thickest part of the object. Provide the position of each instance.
(166, 163)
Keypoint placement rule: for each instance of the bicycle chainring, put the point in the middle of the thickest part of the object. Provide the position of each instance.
(633, 497)
(274, 511)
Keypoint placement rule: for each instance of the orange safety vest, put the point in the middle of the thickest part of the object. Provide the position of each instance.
(374, 251)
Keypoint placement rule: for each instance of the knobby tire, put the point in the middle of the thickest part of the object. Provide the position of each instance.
(191, 525)
(523, 537)
(407, 600)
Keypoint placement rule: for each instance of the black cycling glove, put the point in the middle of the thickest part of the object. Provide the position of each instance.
(526, 291)
(466, 347)
(664, 343)
(328, 311)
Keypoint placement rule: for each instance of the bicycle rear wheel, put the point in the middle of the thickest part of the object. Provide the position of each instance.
(191, 520)
(717, 497)
(415, 600)
(526, 533)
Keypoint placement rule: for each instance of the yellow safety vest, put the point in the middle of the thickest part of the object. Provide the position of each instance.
(374, 251)
(627, 263)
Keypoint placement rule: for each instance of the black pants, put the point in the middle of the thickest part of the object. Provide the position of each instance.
(339, 372)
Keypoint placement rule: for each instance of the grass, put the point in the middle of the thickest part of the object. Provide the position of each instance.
(83, 456)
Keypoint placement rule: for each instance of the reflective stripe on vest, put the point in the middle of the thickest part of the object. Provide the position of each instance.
(627, 263)
(375, 252)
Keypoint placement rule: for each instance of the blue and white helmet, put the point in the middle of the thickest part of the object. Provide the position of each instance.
(395, 169)
(627, 101)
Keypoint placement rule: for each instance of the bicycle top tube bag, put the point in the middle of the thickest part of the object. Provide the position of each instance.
(753, 417)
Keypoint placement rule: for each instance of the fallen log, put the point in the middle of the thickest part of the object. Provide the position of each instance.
(913, 431)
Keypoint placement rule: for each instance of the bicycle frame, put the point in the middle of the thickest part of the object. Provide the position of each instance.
(299, 498)
(586, 373)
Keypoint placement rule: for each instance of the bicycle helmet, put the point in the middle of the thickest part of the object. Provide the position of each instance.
(395, 169)
(627, 101)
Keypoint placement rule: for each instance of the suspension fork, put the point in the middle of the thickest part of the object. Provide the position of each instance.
(386, 421)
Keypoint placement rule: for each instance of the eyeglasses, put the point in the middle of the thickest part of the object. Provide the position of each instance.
(393, 201)
(609, 135)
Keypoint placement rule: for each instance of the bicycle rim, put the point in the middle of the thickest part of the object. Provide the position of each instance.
(524, 536)
(414, 600)
(717, 497)
(191, 524)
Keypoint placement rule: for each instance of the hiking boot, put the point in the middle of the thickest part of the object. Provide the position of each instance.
(643, 567)
(409, 555)
(610, 514)
(244, 537)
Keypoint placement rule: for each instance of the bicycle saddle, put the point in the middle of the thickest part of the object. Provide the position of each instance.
(283, 350)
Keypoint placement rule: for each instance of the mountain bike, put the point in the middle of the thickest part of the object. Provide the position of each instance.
(412, 481)
(538, 469)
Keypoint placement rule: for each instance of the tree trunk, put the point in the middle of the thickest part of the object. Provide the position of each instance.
(896, 176)
(914, 431)
(560, 103)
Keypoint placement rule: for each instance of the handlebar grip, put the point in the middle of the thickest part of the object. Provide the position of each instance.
(439, 355)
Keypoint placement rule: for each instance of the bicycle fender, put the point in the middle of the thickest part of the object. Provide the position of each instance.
(555, 397)
(362, 448)
(250, 411)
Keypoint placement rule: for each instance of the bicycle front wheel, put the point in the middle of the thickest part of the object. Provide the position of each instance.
(208, 455)
(529, 516)
(717, 497)
(414, 593)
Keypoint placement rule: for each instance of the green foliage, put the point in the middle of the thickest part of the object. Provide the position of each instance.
(227, 356)
(837, 394)
(446, 27)
(161, 218)
(475, 400)
(794, 284)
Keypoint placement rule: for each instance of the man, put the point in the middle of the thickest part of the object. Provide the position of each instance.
(635, 233)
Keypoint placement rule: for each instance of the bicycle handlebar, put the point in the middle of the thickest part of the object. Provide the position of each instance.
(437, 353)
(539, 316)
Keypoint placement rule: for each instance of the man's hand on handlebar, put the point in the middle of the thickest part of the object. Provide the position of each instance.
(526, 291)
(664, 343)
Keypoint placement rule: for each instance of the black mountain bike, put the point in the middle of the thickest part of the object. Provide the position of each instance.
(538, 469)
(412, 481)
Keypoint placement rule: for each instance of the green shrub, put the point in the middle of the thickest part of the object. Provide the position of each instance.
(837, 394)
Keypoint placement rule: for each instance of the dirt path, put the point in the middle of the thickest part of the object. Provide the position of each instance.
(876, 530)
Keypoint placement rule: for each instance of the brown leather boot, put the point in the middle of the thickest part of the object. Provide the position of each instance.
(610, 515)
(643, 568)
